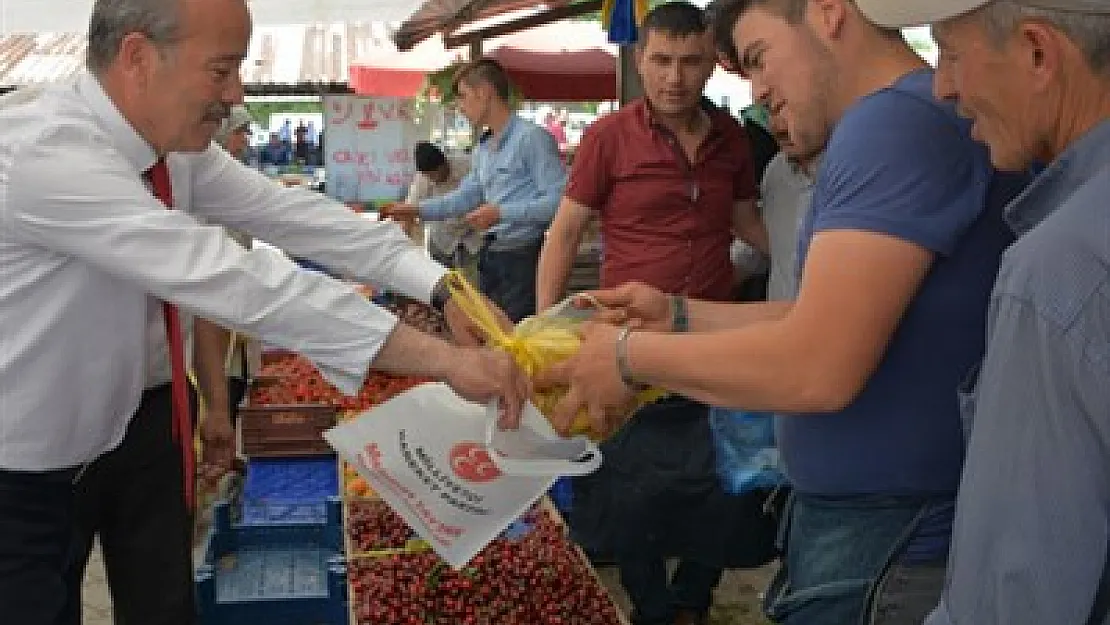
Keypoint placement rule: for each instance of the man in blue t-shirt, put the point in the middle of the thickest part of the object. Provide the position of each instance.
(896, 256)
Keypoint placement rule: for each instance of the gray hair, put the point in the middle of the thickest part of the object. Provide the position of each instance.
(112, 20)
(1090, 32)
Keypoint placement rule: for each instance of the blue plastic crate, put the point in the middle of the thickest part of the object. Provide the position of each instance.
(562, 495)
(288, 490)
(292, 574)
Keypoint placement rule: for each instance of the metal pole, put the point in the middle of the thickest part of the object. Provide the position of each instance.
(628, 79)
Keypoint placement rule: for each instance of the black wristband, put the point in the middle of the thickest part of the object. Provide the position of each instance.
(440, 295)
(680, 315)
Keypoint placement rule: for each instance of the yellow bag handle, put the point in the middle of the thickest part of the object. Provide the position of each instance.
(473, 305)
(528, 350)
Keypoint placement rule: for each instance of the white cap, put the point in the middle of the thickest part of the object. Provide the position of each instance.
(903, 13)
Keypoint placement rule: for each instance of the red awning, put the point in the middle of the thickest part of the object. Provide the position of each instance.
(558, 62)
(573, 76)
(380, 81)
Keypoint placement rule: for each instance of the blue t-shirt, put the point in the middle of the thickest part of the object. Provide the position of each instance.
(903, 164)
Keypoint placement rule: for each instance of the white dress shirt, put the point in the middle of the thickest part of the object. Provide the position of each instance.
(84, 245)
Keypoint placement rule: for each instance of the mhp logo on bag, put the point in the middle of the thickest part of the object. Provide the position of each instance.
(747, 458)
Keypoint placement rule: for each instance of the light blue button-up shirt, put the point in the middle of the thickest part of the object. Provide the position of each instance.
(1030, 543)
(519, 172)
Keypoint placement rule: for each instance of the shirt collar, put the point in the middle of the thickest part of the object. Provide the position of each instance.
(510, 126)
(133, 147)
(717, 117)
(1048, 191)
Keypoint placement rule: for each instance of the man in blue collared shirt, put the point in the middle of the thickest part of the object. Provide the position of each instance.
(1032, 532)
(515, 182)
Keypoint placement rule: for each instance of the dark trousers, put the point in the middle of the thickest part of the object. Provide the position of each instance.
(657, 496)
(36, 528)
(657, 598)
(133, 499)
(508, 278)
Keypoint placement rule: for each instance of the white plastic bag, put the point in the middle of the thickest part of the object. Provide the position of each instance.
(442, 465)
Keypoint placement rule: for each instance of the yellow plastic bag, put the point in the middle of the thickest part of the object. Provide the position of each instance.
(536, 343)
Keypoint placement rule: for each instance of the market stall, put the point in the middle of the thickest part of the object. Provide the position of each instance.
(308, 541)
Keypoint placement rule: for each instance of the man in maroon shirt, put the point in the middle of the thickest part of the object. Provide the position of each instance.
(672, 180)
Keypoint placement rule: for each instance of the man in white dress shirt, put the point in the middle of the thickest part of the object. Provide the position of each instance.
(87, 251)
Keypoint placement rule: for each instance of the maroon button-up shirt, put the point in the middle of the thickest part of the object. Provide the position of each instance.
(665, 220)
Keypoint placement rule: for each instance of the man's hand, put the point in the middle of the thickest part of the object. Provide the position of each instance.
(399, 211)
(218, 445)
(480, 374)
(634, 304)
(593, 383)
(463, 329)
(483, 217)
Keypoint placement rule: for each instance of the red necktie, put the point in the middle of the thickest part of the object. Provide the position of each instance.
(159, 177)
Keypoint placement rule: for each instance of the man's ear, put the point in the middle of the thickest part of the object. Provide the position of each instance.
(1041, 53)
(136, 57)
(827, 17)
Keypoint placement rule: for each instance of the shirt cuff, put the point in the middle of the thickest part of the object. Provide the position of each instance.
(417, 275)
(433, 209)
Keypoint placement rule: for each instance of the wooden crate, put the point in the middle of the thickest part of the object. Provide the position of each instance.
(293, 430)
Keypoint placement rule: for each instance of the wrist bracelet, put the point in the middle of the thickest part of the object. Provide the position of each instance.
(440, 295)
(622, 361)
(680, 315)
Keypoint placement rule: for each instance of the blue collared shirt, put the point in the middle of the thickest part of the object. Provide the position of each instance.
(1030, 539)
(519, 172)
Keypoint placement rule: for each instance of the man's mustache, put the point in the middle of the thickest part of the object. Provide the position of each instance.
(217, 113)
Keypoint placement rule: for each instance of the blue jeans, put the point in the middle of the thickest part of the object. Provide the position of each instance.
(844, 565)
(508, 278)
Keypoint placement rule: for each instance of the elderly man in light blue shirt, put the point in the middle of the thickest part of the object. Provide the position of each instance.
(1030, 543)
(515, 182)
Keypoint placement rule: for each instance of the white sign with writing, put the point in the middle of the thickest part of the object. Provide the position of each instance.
(368, 146)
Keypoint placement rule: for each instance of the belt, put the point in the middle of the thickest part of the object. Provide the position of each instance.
(70, 475)
(491, 243)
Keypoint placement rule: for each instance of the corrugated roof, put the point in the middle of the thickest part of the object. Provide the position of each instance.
(436, 16)
(27, 59)
(314, 54)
